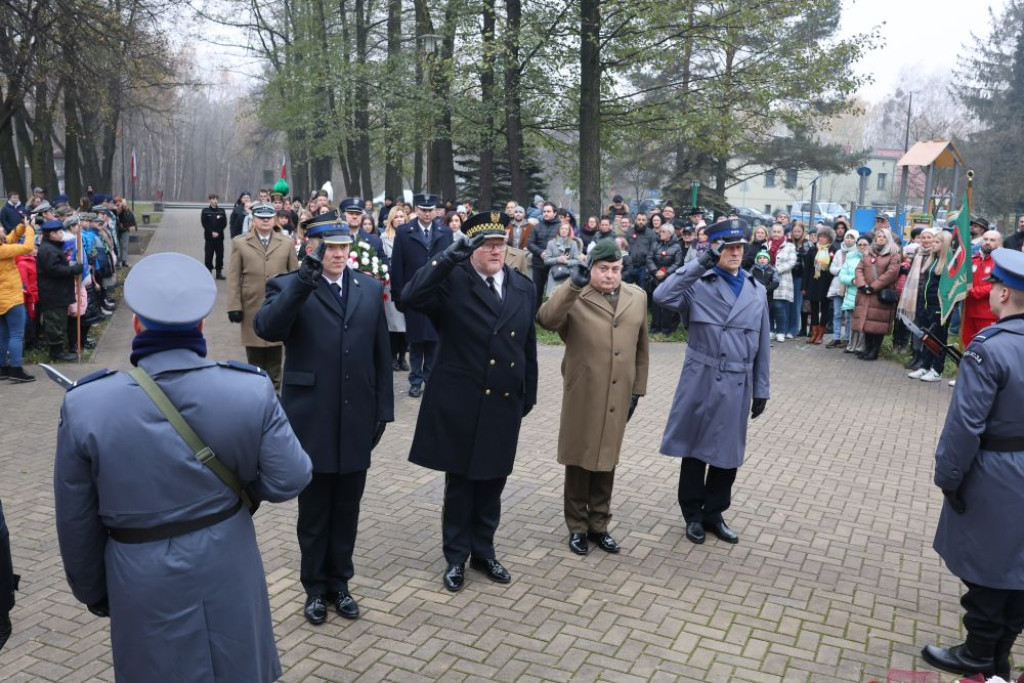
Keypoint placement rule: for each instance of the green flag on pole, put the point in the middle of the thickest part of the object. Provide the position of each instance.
(956, 277)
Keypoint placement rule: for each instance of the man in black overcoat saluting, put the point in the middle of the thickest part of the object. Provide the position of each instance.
(484, 382)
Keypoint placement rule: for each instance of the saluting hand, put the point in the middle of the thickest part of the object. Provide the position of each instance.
(579, 275)
(709, 259)
(312, 266)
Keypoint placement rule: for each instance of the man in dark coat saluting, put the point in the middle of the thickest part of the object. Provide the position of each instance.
(484, 382)
(336, 391)
(415, 243)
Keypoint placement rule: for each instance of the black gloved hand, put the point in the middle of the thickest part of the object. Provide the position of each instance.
(527, 408)
(579, 275)
(633, 400)
(235, 316)
(101, 608)
(955, 501)
(758, 407)
(709, 259)
(460, 250)
(312, 266)
(76, 268)
(378, 432)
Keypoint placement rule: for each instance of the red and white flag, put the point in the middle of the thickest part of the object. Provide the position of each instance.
(135, 166)
(284, 167)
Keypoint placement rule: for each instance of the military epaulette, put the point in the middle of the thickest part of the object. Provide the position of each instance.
(244, 367)
(92, 377)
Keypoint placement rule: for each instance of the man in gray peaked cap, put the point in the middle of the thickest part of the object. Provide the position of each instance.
(153, 505)
(979, 465)
(725, 375)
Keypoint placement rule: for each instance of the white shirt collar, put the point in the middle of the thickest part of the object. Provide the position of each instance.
(499, 279)
(338, 281)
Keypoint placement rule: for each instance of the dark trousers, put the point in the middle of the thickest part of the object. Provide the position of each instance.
(397, 341)
(472, 510)
(214, 253)
(73, 333)
(931, 320)
(8, 579)
(53, 326)
(663, 319)
(588, 500)
(540, 280)
(328, 520)
(421, 361)
(993, 618)
(636, 275)
(705, 491)
(819, 313)
(269, 358)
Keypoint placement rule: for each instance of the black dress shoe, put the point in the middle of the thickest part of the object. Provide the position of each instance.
(5, 629)
(722, 530)
(493, 569)
(695, 532)
(346, 605)
(316, 609)
(578, 544)
(957, 660)
(416, 390)
(455, 577)
(604, 541)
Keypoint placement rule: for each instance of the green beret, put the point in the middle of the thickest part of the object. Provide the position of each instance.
(605, 250)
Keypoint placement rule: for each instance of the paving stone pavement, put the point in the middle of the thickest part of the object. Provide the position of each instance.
(834, 578)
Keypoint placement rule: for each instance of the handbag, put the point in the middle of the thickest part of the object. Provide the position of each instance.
(887, 296)
(559, 272)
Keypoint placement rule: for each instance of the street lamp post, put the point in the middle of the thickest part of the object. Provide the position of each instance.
(431, 43)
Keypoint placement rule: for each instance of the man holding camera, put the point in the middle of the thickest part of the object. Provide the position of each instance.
(725, 375)
(337, 393)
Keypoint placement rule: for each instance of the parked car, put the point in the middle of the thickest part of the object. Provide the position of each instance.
(825, 212)
(754, 217)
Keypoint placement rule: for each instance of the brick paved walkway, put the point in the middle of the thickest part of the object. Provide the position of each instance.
(834, 577)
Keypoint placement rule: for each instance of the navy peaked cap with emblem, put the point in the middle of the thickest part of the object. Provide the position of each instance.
(489, 223)
(352, 204)
(729, 231)
(426, 201)
(328, 228)
(52, 225)
(170, 291)
(1008, 269)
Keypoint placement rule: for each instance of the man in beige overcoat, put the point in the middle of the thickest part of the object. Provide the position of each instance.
(604, 372)
(256, 257)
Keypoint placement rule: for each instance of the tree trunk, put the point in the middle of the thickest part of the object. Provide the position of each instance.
(392, 156)
(590, 107)
(445, 150)
(72, 158)
(9, 166)
(486, 199)
(362, 104)
(513, 101)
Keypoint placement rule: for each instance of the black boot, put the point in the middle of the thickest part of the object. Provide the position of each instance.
(5, 371)
(874, 345)
(402, 364)
(958, 660)
(220, 276)
(1002, 658)
(5, 629)
(17, 374)
(915, 362)
(58, 355)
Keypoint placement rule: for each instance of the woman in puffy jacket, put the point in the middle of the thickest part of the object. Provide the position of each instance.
(877, 271)
(18, 242)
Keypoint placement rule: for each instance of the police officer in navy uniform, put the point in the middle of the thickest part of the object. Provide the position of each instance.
(337, 392)
(150, 535)
(415, 243)
(353, 208)
(8, 582)
(979, 465)
(484, 382)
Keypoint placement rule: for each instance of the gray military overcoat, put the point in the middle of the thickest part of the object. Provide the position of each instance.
(985, 544)
(726, 364)
(193, 607)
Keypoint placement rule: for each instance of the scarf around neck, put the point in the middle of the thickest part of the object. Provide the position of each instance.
(148, 342)
(773, 247)
(735, 282)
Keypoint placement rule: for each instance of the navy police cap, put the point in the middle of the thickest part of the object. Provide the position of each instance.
(170, 291)
(728, 231)
(327, 227)
(352, 204)
(52, 225)
(426, 201)
(1008, 269)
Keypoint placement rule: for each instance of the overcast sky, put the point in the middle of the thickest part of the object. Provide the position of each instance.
(914, 34)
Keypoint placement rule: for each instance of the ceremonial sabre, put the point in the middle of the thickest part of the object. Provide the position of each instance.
(930, 341)
(57, 377)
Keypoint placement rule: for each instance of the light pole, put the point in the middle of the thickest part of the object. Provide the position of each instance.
(431, 43)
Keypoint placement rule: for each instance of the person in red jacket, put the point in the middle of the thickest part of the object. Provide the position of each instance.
(30, 287)
(977, 314)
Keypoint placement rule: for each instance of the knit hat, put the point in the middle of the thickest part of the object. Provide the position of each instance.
(762, 253)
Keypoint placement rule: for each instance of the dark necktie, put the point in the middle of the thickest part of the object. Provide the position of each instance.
(336, 288)
(426, 234)
(494, 290)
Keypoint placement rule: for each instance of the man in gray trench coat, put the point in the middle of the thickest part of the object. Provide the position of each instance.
(725, 375)
(979, 465)
(149, 535)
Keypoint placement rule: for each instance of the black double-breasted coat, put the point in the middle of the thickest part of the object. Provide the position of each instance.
(337, 382)
(410, 252)
(485, 373)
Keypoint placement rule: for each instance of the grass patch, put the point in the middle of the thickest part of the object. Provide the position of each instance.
(902, 356)
(41, 354)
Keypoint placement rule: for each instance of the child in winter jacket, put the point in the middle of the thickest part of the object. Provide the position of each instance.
(765, 273)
